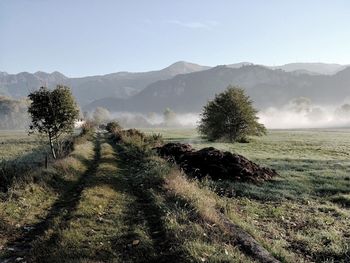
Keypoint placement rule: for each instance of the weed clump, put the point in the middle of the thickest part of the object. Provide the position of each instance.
(134, 137)
(113, 127)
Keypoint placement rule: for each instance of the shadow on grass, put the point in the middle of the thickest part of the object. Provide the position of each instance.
(60, 212)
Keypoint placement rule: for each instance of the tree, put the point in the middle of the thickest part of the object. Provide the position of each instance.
(170, 118)
(53, 113)
(101, 115)
(230, 116)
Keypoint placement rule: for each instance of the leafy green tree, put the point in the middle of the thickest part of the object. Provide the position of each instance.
(101, 115)
(53, 113)
(230, 117)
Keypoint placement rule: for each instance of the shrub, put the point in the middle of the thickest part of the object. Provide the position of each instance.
(87, 128)
(230, 117)
(135, 137)
(113, 126)
(155, 140)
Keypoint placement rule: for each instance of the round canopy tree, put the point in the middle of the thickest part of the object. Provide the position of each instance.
(53, 113)
(101, 115)
(230, 117)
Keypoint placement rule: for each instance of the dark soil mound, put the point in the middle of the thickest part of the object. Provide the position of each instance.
(174, 150)
(215, 163)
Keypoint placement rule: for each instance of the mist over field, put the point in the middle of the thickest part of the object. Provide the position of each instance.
(142, 120)
(298, 113)
(287, 117)
(318, 117)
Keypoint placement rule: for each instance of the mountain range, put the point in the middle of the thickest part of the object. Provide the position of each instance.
(185, 86)
(88, 89)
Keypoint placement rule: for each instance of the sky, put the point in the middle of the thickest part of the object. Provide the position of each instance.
(90, 37)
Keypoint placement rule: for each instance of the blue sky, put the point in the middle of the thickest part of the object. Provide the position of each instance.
(87, 37)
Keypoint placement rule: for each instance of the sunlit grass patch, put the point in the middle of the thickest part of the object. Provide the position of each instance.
(14, 144)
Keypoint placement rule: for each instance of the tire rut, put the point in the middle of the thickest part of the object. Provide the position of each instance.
(146, 207)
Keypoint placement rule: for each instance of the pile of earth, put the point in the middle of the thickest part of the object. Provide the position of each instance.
(215, 163)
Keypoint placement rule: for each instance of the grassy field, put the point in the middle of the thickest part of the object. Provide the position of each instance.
(119, 203)
(303, 214)
(312, 163)
(20, 155)
(18, 144)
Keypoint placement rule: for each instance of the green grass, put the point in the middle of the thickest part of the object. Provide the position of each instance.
(120, 203)
(29, 204)
(18, 144)
(20, 156)
(304, 213)
(312, 163)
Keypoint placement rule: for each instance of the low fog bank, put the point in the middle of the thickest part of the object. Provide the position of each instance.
(168, 119)
(301, 113)
(297, 114)
(140, 120)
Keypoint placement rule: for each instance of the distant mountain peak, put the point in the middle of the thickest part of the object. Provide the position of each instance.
(240, 64)
(181, 63)
(58, 74)
(183, 67)
(42, 74)
(52, 78)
